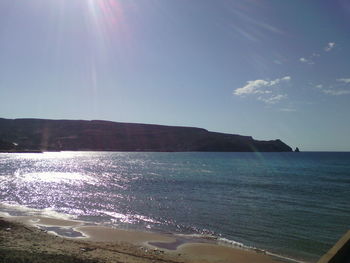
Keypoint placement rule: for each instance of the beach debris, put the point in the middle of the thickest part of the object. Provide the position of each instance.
(259, 251)
(86, 249)
(157, 251)
(8, 229)
(27, 228)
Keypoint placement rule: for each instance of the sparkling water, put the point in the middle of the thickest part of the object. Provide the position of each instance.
(291, 204)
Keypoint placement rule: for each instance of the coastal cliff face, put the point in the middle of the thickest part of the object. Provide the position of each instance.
(79, 135)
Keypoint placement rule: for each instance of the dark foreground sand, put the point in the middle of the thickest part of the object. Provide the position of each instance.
(21, 240)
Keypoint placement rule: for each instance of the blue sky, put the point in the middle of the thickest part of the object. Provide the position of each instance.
(266, 68)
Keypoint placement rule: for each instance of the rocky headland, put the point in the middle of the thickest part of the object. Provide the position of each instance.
(36, 135)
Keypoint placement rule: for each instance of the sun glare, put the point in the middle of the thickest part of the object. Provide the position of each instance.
(56, 177)
(107, 13)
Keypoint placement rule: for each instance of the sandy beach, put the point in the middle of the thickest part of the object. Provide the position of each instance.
(42, 239)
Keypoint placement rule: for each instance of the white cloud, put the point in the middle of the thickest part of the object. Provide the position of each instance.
(329, 46)
(274, 99)
(288, 110)
(277, 81)
(253, 29)
(259, 86)
(278, 62)
(344, 80)
(314, 56)
(337, 89)
(266, 89)
(336, 92)
(307, 61)
(252, 87)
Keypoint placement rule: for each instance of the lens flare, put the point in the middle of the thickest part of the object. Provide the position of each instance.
(107, 15)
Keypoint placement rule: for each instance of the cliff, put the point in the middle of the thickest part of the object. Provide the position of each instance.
(79, 135)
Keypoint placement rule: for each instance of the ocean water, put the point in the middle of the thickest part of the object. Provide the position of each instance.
(292, 204)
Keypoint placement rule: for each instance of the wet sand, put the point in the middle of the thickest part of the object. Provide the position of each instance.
(75, 240)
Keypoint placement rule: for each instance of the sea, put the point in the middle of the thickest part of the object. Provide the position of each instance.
(295, 205)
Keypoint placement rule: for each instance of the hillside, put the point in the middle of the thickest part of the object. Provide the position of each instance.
(79, 135)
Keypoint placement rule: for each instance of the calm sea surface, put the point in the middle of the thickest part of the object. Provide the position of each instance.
(291, 204)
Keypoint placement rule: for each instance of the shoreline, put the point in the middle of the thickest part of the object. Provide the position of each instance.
(106, 244)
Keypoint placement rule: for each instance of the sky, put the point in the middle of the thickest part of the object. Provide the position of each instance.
(270, 69)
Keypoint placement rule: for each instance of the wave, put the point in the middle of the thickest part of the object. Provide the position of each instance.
(11, 209)
(14, 209)
(235, 244)
(284, 257)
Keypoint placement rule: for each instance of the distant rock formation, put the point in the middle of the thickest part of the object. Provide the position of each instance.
(297, 150)
(79, 135)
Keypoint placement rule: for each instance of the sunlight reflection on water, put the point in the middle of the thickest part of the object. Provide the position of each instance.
(57, 177)
(222, 194)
